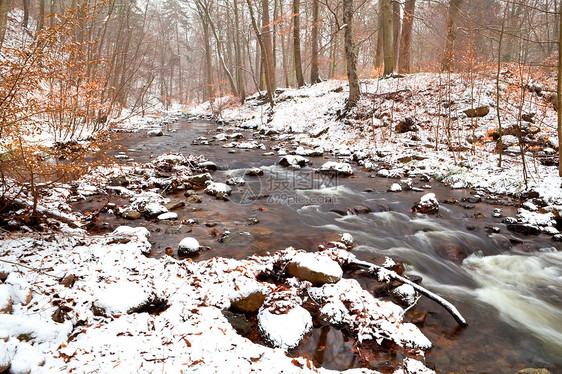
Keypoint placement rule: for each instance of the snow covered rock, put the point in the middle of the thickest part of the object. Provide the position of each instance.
(219, 190)
(236, 181)
(188, 246)
(347, 239)
(158, 132)
(167, 216)
(5, 300)
(412, 366)
(20, 289)
(249, 297)
(254, 172)
(406, 294)
(338, 168)
(121, 297)
(428, 204)
(5, 359)
(138, 235)
(282, 321)
(293, 161)
(395, 187)
(314, 268)
(154, 209)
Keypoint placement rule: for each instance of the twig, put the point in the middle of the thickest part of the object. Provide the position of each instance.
(29, 267)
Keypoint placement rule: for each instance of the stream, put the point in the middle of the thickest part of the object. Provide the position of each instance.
(509, 288)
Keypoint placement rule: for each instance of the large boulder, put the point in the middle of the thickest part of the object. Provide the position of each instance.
(337, 168)
(316, 269)
(220, 190)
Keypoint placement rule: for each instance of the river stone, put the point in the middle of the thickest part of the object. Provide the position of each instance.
(219, 190)
(317, 270)
(131, 214)
(188, 246)
(428, 204)
(254, 172)
(534, 371)
(175, 205)
(239, 322)
(347, 239)
(199, 179)
(293, 161)
(209, 165)
(524, 228)
(337, 168)
(452, 252)
(248, 303)
(395, 187)
(194, 199)
(155, 133)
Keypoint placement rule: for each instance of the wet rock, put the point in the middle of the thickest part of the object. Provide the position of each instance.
(188, 246)
(174, 205)
(239, 322)
(248, 303)
(154, 209)
(405, 294)
(119, 181)
(473, 199)
(316, 269)
(293, 161)
(336, 168)
(199, 179)
(211, 223)
(534, 371)
(181, 229)
(480, 111)
(235, 181)
(252, 221)
(557, 238)
(493, 229)
(131, 214)
(428, 204)
(452, 252)
(418, 318)
(255, 172)
(523, 228)
(362, 209)
(405, 125)
(497, 213)
(509, 220)
(194, 199)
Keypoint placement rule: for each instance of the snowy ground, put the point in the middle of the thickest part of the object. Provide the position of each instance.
(466, 158)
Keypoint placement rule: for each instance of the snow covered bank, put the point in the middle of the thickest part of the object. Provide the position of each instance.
(99, 304)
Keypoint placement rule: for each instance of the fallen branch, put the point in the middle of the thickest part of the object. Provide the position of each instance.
(430, 295)
(47, 213)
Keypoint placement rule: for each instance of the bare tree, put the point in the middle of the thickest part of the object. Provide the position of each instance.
(387, 32)
(452, 19)
(559, 94)
(350, 55)
(4, 8)
(297, 43)
(406, 38)
(314, 78)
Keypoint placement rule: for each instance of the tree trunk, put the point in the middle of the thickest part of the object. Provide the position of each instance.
(268, 45)
(350, 55)
(314, 78)
(297, 42)
(396, 27)
(406, 39)
(41, 17)
(559, 92)
(263, 48)
(498, 71)
(238, 53)
(208, 59)
(25, 20)
(284, 53)
(4, 8)
(387, 33)
(449, 55)
(379, 54)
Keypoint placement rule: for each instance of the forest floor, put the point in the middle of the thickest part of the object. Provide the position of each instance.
(73, 301)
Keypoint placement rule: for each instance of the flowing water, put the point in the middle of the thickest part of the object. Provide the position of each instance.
(509, 288)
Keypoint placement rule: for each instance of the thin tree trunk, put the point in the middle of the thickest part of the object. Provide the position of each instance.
(238, 53)
(396, 27)
(297, 42)
(314, 78)
(559, 92)
(449, 55)
(379, 54)
(208, 60)
(268, 45)
(350, 55)
(406, 39)
(4, 8)
(262, 44)
(284, 51)
(25, 20)
(41, 17)
(498, 70)
(387, 32)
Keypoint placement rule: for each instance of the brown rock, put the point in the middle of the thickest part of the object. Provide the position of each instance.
(316, 278)
(69, 280)
(173, 206)
(480, 111)
(131, 214)
(451, 252)
(418, 318)
(248, 304)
